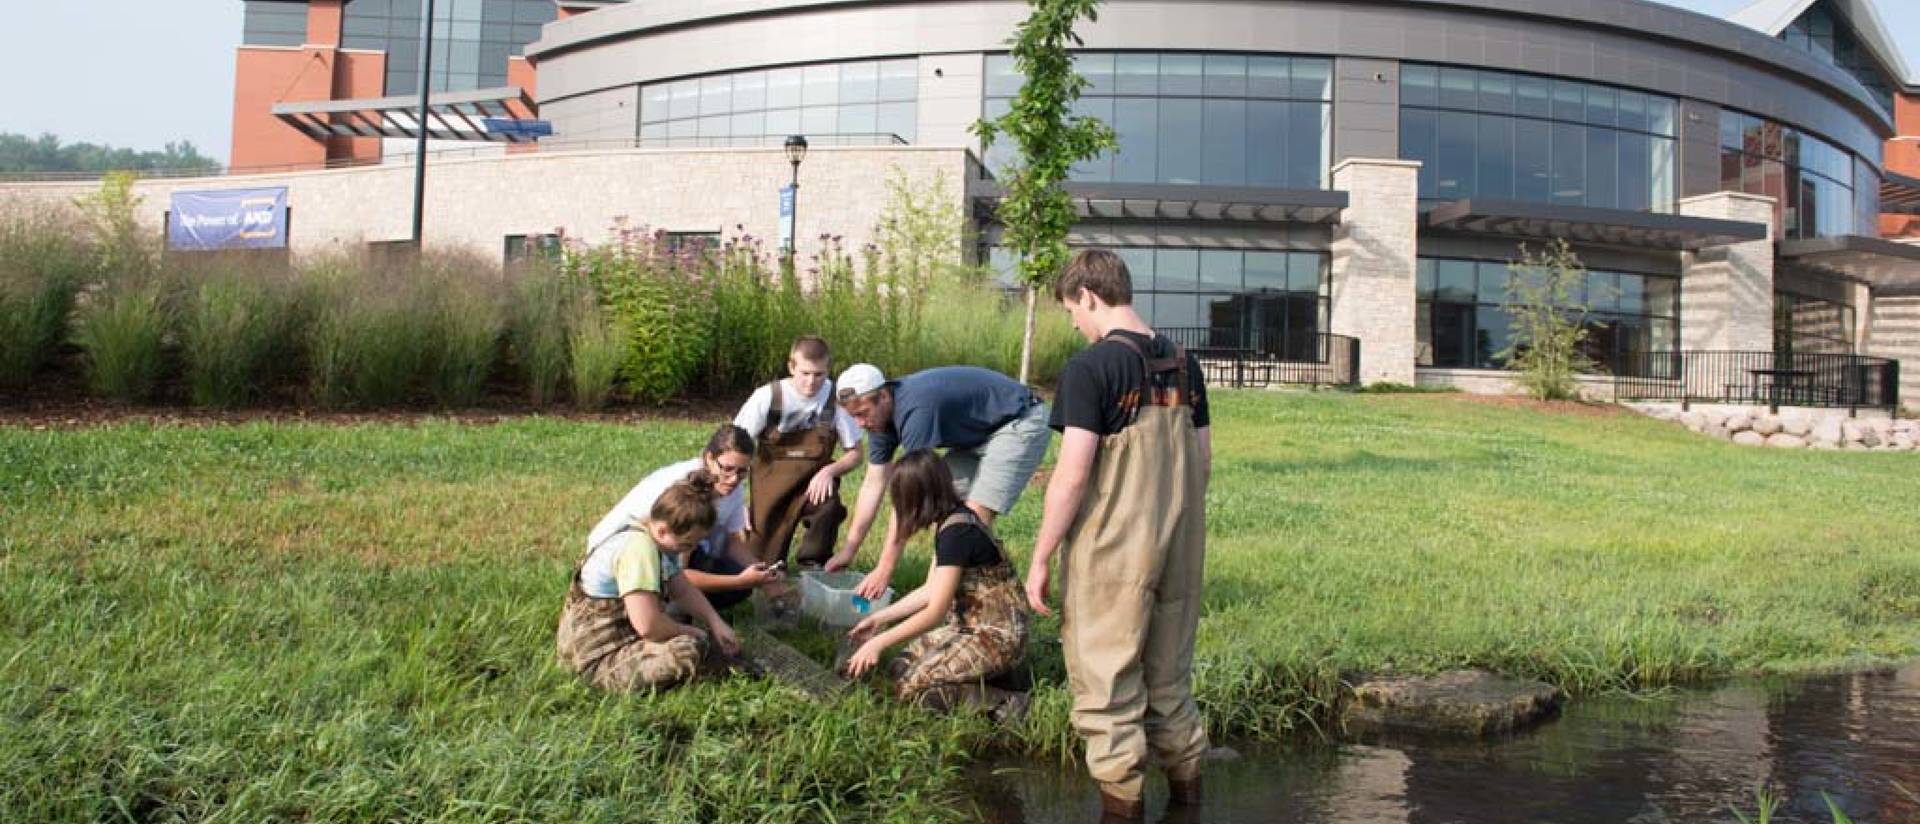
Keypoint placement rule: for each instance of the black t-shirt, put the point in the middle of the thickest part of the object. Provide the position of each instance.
(964, 545)
(1095, 380)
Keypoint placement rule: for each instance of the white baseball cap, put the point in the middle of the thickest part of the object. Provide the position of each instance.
(859, 379)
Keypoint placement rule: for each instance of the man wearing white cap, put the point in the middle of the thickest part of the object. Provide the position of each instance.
(994, 430)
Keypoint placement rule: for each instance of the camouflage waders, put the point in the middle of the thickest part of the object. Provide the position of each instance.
(985, 637)
(1131, 576)
(783, 464)
(597, 640)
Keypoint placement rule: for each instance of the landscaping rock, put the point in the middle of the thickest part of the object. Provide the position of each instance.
(1827, 433)
(1695, 420)
(1464, 703)
(1719, 432)
(1766, 425)
(1739, 422)
(1853, 432)
(1908, 427)
(1902, 440)
(1749, 438)
(1718, 418)
(1783, 440)
(1797, 424)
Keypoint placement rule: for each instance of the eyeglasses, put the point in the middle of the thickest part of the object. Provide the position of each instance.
(734, 471)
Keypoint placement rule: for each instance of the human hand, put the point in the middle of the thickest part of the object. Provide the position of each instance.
(1037, 581)
(723, 637)
(697, 634)
(820, 487)
(875, 584)
(841, 560)
(864, 629)
(758, 575)
(864, 659)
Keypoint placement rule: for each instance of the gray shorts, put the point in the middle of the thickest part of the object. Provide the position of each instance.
(994, 473)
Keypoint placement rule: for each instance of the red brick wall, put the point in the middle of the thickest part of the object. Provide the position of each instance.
(264, 76)
(1903, 157)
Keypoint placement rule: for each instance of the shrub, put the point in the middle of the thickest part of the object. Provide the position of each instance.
(122, 326)
(597, 345)
(1548, 321)
(662, 298)
(234, 325)
(367, 334)
(42, 267)
(543, 297)
(460, 299)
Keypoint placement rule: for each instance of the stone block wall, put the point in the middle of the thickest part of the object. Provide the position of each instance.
(474, 204)
(1893, 331)
(1726, 292)
(1374, 250)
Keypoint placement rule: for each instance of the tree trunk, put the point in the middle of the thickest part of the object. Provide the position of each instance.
(1026, 340)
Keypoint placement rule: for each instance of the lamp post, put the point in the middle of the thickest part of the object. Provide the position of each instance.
(796, 151)
(420, 145)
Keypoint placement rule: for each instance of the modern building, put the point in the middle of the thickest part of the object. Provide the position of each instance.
(1290, 173)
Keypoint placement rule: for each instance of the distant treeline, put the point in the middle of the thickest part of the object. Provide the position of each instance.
(19, 153)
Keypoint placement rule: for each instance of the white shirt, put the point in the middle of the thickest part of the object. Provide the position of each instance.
(797, 413)
(730, 512)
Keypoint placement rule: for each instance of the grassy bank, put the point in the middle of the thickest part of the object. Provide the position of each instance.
(354, 623)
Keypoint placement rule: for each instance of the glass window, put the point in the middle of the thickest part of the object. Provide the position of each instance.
(1176, 270)
(1603, 173)
(1494, 154)
(1457, 89)
(859, 119)
(859, 82)
(1569, 100)
(784, 88)
(1220, 270)
(1002, 80)
(822, 85)
(1266, 157)
(1226, 75)
(1601, 110)
(1269, 77)
(749, 91)
(1225, 140)
(783, 122)
(1309, 128)
(1136, 73)
(1496, 92)
(1419, 138)
(655, 102)
(1569, 163)
(1137, 123)
(1180, 142)
(1455, 281)
(1312, 79)
(1419, 85)
(686, 99)
(819, 119)
(1098, 169)
(899, 80)
(1266, 271)
(1306, 272)
(1181, 74)
(1097, 68)
(716, 94)
(1458, 132)
(898, 119)
(1533, 97)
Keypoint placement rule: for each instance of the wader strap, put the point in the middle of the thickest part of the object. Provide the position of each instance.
(776, 408)
(582, 566)
(965, 515)
(1175, 395)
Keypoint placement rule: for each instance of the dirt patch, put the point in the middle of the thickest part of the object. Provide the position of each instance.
(1592, 410)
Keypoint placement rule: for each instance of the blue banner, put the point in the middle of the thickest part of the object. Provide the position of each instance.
(786, 216)
(228, 219)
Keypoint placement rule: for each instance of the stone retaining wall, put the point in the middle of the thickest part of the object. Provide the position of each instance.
(1792, 428)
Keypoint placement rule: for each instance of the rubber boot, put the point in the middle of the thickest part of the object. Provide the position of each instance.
(1184, 792)
(1117, 810)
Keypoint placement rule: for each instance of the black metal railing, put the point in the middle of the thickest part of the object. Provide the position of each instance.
(1773, 379)
(1255, 358)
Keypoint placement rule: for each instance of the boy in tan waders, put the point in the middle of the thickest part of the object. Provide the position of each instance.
(1128, 503)
(795, 481)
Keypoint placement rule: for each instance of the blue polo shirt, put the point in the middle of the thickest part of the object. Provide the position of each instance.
(949, 406)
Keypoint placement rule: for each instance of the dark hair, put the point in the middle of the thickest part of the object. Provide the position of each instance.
(729, 438)
(922, 489)
(1098, 271)
(686, 507)
(811, 347)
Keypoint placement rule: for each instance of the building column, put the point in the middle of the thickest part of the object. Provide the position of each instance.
(1726, 292)
(1893, 332)
(1374, 255)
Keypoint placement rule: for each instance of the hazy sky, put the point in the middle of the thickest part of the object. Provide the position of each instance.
(161, 70)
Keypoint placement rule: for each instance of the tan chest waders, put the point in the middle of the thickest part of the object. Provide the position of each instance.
(1131, 574)
(783, 464)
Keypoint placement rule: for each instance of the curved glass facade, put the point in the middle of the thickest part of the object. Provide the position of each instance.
(873, 100)
(1180, 118)
(1502, 135)
(1809, 179)
(1462, 320)
(472, 39)
(1824, 34)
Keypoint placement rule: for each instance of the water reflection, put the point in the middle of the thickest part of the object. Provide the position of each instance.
(1686, 757)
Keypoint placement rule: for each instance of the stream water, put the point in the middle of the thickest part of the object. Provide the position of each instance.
(1686, 756)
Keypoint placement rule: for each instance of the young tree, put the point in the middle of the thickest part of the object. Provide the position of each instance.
(1036, 211)
(1549, 321)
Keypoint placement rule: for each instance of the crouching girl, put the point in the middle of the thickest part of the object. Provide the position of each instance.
(614, 629)
(971, 588)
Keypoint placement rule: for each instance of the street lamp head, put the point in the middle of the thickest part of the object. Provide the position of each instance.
(796, 148)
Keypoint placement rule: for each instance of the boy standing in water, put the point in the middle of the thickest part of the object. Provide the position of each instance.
(1128, 503)
(795, 481)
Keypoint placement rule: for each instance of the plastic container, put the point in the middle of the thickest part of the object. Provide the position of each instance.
(828, 597)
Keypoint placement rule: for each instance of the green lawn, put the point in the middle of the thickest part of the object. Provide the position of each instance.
(355, 623)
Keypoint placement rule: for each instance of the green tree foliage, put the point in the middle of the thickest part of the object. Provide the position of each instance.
(1549, 321)
(19, 153)
(1036, 211)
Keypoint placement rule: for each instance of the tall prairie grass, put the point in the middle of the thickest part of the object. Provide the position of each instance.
(237, 325)
(42, 267)
(123, 328)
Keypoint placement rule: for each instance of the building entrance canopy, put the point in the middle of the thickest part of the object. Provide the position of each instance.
(1147, 201)
(1900, 195)
(1891, 269)
(450, 116)
(1612, 227)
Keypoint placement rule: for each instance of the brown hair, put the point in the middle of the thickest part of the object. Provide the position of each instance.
(811, 347)
(686, 507)
(729, 438)
(922, 489)
(1098, 271)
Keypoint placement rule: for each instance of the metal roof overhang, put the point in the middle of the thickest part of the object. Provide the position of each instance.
(1153, 201)
(1900, 195)
(450, 116)
(1612, 227)
(1889, 268)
